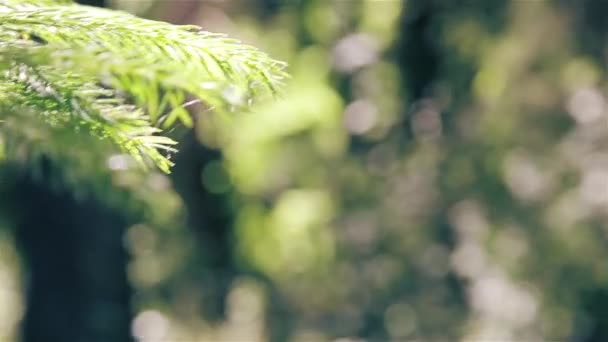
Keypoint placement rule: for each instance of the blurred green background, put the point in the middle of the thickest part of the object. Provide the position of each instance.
(434, 171)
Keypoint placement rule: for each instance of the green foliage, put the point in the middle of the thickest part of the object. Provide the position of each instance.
(84, 70)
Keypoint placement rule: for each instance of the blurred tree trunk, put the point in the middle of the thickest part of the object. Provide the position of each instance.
(77, 288)
(211, 221)
(416, 54)
(415, 48)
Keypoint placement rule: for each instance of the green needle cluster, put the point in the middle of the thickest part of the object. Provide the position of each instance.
(117, 77)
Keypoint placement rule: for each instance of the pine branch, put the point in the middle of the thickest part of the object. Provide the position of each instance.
(79, 64)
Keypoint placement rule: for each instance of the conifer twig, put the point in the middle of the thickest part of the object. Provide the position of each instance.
(120, 77)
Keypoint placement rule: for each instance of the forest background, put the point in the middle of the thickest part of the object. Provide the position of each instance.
(432, 171)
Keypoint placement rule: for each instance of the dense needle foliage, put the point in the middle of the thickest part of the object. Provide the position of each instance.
(112, 75)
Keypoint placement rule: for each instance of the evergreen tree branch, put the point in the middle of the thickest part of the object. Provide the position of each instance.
(81, 66)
